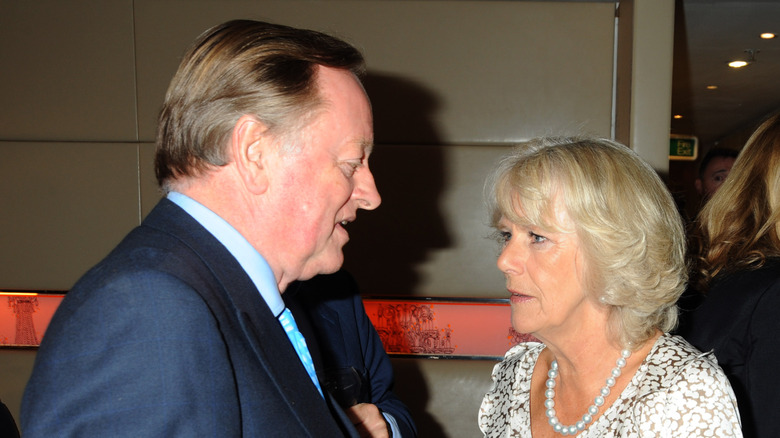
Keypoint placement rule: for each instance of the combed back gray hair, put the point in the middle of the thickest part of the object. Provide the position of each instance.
(629, 227)
(236, 68)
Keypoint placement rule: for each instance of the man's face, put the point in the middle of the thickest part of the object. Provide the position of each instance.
(317, 191)
(713, 176)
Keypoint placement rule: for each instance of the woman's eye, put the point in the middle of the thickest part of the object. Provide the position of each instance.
(503, 237)
(535, 238)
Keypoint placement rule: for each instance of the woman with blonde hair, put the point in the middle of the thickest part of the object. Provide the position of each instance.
(593, 252)
(739, 270)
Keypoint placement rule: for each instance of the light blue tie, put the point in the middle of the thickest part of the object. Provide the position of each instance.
(299, 342)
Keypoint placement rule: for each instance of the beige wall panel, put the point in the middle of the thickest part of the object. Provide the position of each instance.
(65, 205)
(651, 101)
(430, 236)
(67, 70)
(495, 71)
(150, 192)
(443, 395)
(15, 370)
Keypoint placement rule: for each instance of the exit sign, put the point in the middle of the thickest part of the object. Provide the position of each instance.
(683, 147)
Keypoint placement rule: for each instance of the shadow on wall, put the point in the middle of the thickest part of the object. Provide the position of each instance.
(413, 390)
(388, 244)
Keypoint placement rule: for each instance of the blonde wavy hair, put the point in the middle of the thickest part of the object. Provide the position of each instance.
(630, 230)
(739, 226)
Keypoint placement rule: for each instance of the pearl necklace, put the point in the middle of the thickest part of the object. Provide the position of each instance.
(593, 409)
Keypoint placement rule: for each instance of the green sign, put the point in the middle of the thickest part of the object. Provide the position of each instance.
(683, 148)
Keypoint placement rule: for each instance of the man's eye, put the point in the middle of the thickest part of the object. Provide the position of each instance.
(350, 167)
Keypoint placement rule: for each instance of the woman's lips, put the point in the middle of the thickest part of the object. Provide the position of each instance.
(517, 297)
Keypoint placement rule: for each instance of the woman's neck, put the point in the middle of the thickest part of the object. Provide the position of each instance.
(583, 369)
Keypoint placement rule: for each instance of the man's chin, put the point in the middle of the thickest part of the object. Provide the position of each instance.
(329, 266)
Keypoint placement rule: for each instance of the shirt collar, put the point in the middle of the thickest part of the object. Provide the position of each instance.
(247, 256)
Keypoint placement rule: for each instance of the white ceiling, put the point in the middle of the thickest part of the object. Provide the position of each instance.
(708, 34)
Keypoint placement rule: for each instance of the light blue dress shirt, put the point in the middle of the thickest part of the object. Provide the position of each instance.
(250, 260)
(254, 265)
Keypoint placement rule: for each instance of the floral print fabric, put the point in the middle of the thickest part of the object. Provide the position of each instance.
(676, 392)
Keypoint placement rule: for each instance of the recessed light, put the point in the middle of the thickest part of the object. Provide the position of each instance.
(767, 35)
(737, 64)
(678, 116)
(712, 87)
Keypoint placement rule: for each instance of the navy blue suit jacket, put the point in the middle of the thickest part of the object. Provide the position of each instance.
(330, 313)
(168, 336)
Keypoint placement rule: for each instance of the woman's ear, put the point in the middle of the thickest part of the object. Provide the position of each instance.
(250, 143)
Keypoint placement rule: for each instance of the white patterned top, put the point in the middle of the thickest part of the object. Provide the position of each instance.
(676, 392)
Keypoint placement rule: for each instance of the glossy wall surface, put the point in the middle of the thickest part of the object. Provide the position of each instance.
(454, 84)
(83, 81)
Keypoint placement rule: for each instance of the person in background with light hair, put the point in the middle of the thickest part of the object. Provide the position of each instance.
(262, 151)
(739, 274)
(593, 252)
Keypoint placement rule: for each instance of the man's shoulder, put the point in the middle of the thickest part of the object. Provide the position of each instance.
(148, 261)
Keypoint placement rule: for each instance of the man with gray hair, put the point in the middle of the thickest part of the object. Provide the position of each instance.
(262, 151)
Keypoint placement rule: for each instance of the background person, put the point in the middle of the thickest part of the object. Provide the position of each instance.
(713, 170)
(342, 338)
(739, 267)
(594, 259)
(8, 427)
(262, 149)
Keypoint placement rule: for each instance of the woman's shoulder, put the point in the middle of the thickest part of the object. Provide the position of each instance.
(683, 391)
(673, 359)
(521, 357)
(524, 350)
(672, 350)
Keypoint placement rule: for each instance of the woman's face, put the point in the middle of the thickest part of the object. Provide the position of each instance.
(544, 276)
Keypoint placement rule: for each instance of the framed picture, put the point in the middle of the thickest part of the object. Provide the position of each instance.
(25, 316)
(444, 328)
(440, 328)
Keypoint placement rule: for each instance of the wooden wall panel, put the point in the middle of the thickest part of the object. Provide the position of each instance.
(150, 192)
(68, 71)
(65, 205)
(430, 236)
(489, 71)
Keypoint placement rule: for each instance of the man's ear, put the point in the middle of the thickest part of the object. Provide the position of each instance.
(249, 144)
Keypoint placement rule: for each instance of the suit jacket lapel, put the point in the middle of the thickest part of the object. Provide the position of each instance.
(334, 333)
(262, 330)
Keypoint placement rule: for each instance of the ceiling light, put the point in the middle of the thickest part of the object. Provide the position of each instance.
(767, 35)
(712, 87)
(751, 59)
(678, 116)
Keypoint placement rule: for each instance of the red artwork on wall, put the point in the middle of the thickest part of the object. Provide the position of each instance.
(433, 327)
(25, 316)
(444, 327)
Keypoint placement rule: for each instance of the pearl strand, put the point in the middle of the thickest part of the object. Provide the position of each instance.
(593, 409)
